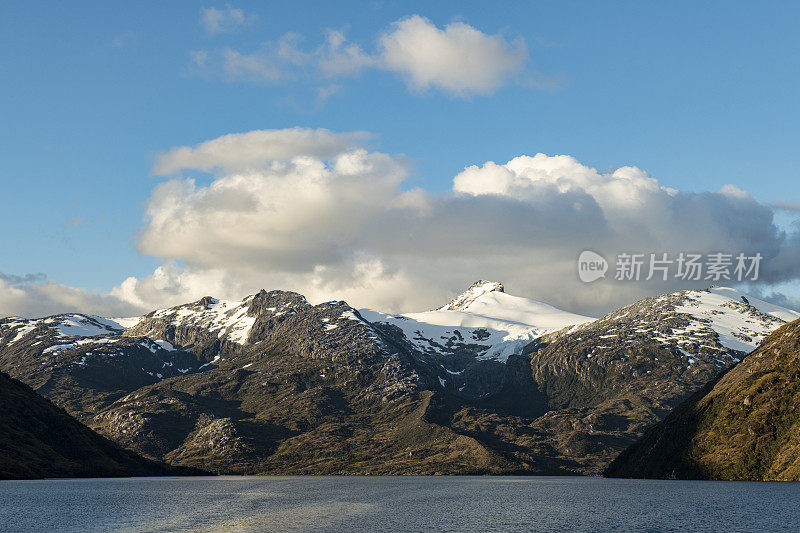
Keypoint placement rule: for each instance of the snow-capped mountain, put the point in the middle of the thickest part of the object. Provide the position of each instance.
(73, 339)
(741, 427)
(483, 321)
(740, 322)
(719, 323)
(493, 325)
(214, 328)
(227, 382)
(229, 320)
(64, 327)
(68, 352)
(481, 324)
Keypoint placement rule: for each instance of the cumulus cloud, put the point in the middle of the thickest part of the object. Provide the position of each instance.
(223, 20)
(255, 149)
(458, 59)
(316, 212)
(639, 213)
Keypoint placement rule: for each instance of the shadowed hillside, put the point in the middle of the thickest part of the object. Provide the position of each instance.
(39, 440)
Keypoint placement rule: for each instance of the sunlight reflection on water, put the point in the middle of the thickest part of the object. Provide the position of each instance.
(395, 503)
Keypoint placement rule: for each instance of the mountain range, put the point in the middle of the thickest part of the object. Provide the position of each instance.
(487, 383)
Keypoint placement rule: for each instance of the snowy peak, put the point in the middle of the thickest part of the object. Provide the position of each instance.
(484, 323)
(73, 343)
(206, 302)
(213, 326)
(716, 326)
(475, 291)
(229, 319)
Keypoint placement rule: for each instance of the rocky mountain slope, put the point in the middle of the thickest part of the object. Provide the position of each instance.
(489, 383)
(743, 426)
(607, 381)
(38, 440)
(467, 343)
(83, 362)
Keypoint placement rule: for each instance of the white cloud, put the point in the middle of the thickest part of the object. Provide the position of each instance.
(315, 212)
(458, 59)
(337, 57)
(224, 20)
(734, 192)
(36, 296)
(326, 92)
(284, 60)
(311, 211)
(255, 149)
(253, 67)
(232, 66)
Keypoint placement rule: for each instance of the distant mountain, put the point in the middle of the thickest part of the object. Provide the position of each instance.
(483, 322)
(83, 362)
(488, 383)
(742, 426)
(39, 440)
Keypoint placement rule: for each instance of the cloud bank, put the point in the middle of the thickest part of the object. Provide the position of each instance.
(33, 295)
(457, 59)
(316, 212)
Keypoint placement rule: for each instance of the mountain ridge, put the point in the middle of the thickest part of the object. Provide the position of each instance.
(245, 386)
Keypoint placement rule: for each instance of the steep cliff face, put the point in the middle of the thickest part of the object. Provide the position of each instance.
(743, 426)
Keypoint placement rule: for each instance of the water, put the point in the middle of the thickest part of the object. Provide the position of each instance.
(396, 504)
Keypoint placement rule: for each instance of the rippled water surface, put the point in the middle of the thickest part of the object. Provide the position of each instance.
(396, 504)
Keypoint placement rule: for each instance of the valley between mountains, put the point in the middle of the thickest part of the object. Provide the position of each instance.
(488, 383)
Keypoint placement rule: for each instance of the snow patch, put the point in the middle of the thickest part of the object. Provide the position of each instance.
(87, 326)
(165, 345)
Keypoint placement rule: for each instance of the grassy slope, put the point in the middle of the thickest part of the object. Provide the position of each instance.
(743, 426)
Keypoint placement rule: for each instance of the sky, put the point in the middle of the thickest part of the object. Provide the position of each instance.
(155, 152)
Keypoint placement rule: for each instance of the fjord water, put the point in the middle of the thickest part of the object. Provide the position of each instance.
(396, 504)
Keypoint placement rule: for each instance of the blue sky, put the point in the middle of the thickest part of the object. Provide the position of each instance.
(698, 96)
